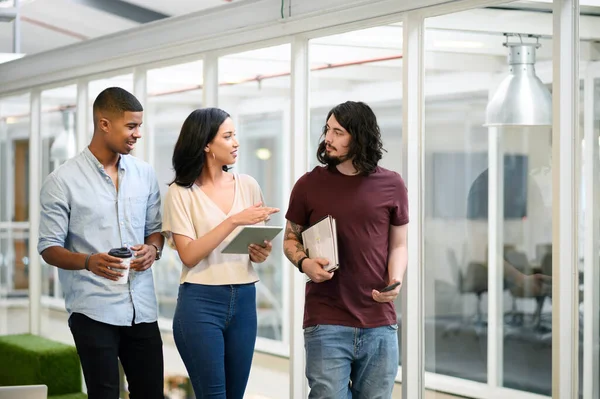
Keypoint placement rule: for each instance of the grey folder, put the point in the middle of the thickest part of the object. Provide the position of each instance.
(251, 235)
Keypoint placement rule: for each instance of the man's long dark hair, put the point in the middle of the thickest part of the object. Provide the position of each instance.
(366, 148)
(198, 130)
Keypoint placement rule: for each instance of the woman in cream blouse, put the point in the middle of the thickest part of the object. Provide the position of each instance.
(215, 320)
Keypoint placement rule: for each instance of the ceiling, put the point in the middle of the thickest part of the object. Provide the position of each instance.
(48, 24)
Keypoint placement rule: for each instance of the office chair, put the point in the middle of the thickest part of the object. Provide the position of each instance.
(520, 262)
(474, 281)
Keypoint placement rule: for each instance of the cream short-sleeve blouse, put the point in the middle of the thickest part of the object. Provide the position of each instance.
(190, 212)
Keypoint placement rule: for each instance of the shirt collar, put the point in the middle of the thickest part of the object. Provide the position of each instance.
(92, 158)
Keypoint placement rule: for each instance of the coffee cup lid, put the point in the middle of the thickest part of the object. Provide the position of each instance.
(122, 252)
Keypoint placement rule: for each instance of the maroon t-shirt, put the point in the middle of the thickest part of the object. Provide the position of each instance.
(364, 207)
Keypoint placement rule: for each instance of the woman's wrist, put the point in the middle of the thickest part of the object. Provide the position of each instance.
(231, 221)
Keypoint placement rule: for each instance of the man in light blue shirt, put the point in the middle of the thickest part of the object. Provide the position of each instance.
(101, 199)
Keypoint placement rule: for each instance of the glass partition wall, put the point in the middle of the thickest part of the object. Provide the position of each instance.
(14, 212)
(254, 88)
(488, 192)
(172, 93)
(488, 198)
(589, 229)
(58, 144)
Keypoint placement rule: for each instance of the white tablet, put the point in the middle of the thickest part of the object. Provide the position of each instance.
(251, 235)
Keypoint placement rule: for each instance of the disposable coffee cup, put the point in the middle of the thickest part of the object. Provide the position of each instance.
(125, 254)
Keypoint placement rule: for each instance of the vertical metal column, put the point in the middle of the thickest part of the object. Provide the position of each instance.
(591, 297)
(299, 159)
(413, 331)
(35, 266)
(495, 257)
(17, 29)
(82, 122)
(143, 148)
(565, 145)
(287, 274)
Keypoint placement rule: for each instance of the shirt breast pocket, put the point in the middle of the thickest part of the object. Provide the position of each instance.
(137, 210)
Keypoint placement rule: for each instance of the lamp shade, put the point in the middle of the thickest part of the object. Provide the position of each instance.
(521, 99)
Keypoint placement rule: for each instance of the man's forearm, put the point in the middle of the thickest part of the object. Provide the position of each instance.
(397, 262)
(512, 274)
(292, 244)
(63, 258)
(293, 250)
(155, 239)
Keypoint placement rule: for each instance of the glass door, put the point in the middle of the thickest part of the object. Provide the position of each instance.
(589, 230)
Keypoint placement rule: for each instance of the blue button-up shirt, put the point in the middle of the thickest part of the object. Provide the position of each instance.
(82, 211)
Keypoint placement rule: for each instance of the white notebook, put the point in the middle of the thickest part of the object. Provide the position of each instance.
(320, 241)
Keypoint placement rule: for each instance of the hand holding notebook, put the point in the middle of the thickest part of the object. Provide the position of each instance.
(320, 241)
(315, 270)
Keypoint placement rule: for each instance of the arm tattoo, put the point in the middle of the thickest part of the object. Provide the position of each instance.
(294, 232)
(292, 246)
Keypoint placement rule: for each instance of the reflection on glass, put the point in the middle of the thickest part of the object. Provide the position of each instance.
(528, 262)
(173, 93)
(462, 70)
(455, 266)
(254, 87)
(363, 65)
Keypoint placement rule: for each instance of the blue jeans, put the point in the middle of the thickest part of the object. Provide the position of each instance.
(215, 331)
(347, 362)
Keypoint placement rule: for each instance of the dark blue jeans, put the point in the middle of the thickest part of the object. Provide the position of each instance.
(215, 331)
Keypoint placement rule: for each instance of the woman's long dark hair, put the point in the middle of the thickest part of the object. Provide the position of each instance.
(189, 157)
(366, 148)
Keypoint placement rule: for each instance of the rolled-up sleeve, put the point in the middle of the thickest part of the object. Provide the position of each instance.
(153, 214)
(54, 218)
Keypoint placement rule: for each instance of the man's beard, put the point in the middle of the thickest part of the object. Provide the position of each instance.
(332, 162)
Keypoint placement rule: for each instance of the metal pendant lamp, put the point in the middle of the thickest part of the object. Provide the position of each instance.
(521, 99)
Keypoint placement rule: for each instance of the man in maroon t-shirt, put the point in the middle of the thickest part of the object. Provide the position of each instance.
(350, 328)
